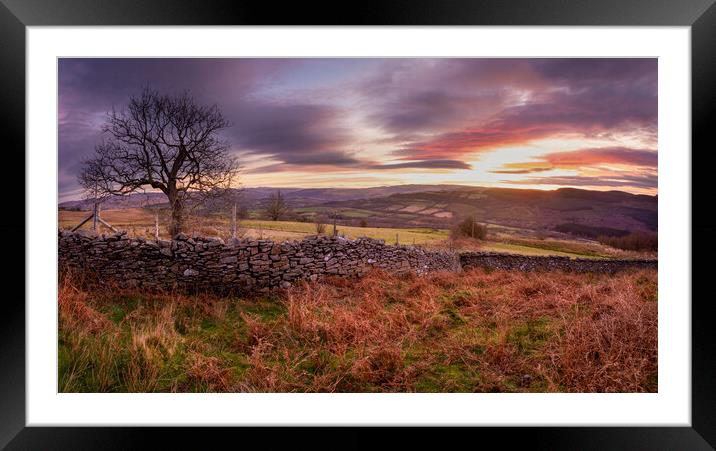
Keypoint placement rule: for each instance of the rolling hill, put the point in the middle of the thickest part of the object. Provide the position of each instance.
(567, 210)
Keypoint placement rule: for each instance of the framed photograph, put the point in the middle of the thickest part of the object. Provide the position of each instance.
(474, 214)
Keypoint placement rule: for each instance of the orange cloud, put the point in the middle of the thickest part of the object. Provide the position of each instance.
(582, 158)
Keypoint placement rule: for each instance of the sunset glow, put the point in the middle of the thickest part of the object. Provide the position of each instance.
(520, 123)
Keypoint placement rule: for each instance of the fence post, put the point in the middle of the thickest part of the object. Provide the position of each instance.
(396, 239)
(95, 216)
(335, 233)
(233, 223)
(156, 226)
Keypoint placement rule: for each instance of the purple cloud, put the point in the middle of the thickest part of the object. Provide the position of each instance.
(296, 134)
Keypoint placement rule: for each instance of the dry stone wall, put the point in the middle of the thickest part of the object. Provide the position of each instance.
(530, 263)
(239, 265)
(200, 263)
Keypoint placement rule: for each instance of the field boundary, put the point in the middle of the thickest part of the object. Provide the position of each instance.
(201, 263)
(495, 260)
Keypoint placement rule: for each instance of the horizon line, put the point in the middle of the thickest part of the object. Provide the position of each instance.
(392, 186)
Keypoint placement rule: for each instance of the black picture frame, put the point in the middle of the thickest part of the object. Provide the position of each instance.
(700, 15)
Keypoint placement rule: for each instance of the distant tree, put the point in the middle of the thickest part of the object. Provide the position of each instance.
(168, 143)
(637, 241)
(541, 233)
(363, 223)
(320, 223)
(277, 207)
(470, 228)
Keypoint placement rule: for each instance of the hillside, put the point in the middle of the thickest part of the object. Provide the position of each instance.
(299, 197)
(567, 210)
(588, 213)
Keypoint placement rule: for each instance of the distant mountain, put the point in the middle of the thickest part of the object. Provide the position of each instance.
(582, 212)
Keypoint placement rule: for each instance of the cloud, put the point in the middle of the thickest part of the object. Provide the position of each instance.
(455, 145)
(551, 98)
(649, 181)
(588, 71)
(425, 164)
(297, 134)
(95, 84)
(583, 158)
(589, 113)
(436, 95)
(517, 170)
(604, 155)
(360, 165)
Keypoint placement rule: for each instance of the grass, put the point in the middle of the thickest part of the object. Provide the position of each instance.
(522, 249)
(140, 222)
(405, 236)
(580, 248)
(477, 331)
(345, 212)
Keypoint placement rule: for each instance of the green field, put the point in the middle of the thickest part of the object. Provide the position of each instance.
(353, 213)
(510, 248)
(404, 236)
(140, 222)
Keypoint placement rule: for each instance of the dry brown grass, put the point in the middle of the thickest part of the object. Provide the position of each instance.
(474, 331)
(550, 329)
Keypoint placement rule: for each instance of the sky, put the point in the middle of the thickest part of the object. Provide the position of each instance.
(360, 122)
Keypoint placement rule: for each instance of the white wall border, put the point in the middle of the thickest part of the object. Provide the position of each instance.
(671, 406)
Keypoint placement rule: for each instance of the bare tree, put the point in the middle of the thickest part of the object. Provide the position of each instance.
(277, 206)
(320, 224)
(168, 143)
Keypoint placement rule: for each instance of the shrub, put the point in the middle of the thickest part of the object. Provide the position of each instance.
(363, 223)
(320, 223)
(638, 241)
(541, 233)
(469, 228)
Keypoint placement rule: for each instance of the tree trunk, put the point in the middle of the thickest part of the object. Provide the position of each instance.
(177, 224)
